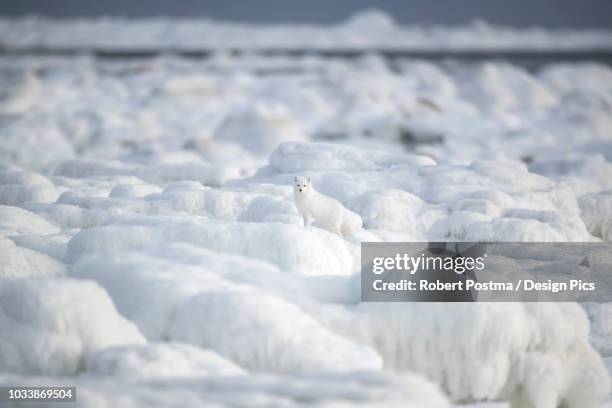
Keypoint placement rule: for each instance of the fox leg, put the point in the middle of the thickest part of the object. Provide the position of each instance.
(337, 225)
(306, 219)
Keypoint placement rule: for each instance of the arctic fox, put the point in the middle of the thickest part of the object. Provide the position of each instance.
(329, 212)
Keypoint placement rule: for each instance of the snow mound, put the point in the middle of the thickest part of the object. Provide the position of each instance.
(264, 333)
(302, 157)
(133, 190)
(193, 198)
(16, 221)
(49, 326)
(306, 251)
(188, 300)
(13, 175)
(395, 210)
(594, 168)
(504, 87)
(202, 172)
(18, 262)
(600, 315)
(50, 245)
(18, 187)
(74, 210)
(562, 77)
(34, 142)
(148, 286)
(513, 226)
(159, 360)
(20, 92)
(146, 289)
(259, 129)
(271, 209)
(597, 214)
(534, 353)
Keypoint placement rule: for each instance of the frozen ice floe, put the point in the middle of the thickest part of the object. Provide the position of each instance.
(149, 231)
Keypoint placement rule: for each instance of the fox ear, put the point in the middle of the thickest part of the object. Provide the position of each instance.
(295, 178)
(308, 179)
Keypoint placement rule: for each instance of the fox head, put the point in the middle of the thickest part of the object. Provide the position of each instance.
(302, 185)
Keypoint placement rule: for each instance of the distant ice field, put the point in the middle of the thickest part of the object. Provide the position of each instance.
(372, 29)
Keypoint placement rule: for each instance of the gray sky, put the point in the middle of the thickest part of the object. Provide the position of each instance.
(521, 13)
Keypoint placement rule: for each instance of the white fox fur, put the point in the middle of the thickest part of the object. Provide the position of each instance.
(328, 211)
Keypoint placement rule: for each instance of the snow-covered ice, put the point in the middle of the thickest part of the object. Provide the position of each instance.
(50, 326)
(159, 360)
(151, 251)
(360, 389)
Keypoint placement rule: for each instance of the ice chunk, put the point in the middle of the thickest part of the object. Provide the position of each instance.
(196, 171)
(148, 290)
(51, 245)
(538, 353)
(34, 142)
(271, 209)
(133, 190)
(504, 87)
(308, 251)
(600, 315)
(159, 360)
(23, 262)
(49, 326)
(18, 194)
(19, 187)
(16, 221)
(587, 76)
(597, 214)
(264, 333)
(302, 157)
(193, 198)
(259, 129)
(20, 93)
(396, 210)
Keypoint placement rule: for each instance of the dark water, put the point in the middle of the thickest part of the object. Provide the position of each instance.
(529, 59)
